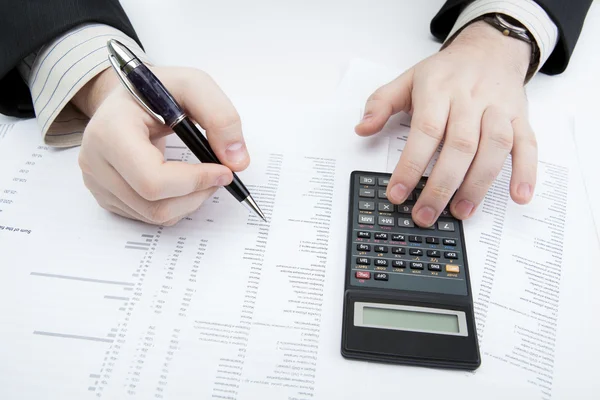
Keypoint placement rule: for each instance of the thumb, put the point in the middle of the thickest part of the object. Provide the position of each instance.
(385, 102)
(206, 103)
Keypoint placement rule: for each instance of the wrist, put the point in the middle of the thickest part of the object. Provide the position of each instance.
(90, 96)
(489, 42)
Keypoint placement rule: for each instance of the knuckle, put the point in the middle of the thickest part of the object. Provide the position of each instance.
(411, 168)
(501, 139)
(202, 181)
(150, 189)
(441, 192)
(159, 212)
(432, 129)
(225, 120)
(463, 145)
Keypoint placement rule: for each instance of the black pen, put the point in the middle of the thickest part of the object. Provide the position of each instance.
(145, 87)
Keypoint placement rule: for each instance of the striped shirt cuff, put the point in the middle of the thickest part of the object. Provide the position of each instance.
(528, 12)
(57, 71)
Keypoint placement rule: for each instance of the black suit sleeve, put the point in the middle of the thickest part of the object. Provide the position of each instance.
(26, 25)
(568, 15)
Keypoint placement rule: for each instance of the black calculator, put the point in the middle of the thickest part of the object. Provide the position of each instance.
(407, 297)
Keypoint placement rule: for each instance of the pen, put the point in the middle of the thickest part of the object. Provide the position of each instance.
(145, 87)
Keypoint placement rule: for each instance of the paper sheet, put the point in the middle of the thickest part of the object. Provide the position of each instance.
(221, 305)
(224, 306)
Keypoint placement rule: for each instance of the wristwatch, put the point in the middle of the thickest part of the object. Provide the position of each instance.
(513, 28)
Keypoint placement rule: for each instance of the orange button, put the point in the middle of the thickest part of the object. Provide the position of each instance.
(452, 268)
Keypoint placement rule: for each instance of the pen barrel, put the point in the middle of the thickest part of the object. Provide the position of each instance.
(199, 146)
(155, 94)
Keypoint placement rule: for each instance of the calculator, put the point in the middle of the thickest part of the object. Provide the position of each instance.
(407, 297)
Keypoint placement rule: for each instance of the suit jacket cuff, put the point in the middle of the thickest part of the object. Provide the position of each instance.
(57, 71)
(528, 12)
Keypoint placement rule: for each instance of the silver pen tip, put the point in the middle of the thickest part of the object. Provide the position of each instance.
(251, 204)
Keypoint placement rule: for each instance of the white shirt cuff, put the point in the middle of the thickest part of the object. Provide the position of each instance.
(527, 12)
(57, 71)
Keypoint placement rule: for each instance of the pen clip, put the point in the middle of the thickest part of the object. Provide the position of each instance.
(132, 90)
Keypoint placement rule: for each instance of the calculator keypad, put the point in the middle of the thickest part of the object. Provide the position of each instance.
(390, 251)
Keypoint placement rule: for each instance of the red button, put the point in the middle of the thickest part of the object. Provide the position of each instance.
(363, 275)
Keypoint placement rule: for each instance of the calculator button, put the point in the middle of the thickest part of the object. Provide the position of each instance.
(445, 226)
(454, 269)
(367, 180)
(363, 247)
(398, 250)
(385, 221)
(366, 219)
(366, 193)
(405, 208)
(381, 236)
(385, 207)
(451, 255)
(380, 262)
(399, 264)
(434, 267)
(417, 194)
(363, 234)
(383, 181)
(416, 265)
(381, 249)
(410, 197)
(381, 276)
(421, 185)
(381, 194)
(407, 222)
(363, 275)
(415, 239)
(366, 205)
(363, 261)
(445, 213)
(449, 242)
(432, 240)
(415, 252)
(398, 238)
(434, 253)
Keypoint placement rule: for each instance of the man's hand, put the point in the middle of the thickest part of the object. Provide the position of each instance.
(471, 95)
(122, 156)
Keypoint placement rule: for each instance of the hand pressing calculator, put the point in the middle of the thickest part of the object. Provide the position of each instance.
(407, 293)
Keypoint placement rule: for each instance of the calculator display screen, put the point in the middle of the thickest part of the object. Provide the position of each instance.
(410, 319)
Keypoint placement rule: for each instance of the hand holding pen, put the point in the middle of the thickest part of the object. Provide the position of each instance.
(122, 156)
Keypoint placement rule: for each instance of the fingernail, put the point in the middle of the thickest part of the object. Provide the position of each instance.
(367, 117)
(464, 208)
(236, 153)
(398, 193)
(223, 180)
(426, 215)
(524, 190)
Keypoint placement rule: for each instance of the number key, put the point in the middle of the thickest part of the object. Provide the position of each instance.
(406, 222)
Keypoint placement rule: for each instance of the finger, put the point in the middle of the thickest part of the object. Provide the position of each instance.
(204, 100)
(109, 201)
(143, 167)
(524, 162)
(460, 146)
(494, 147)
(384, 102)
(157, 212)
(426, 132)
